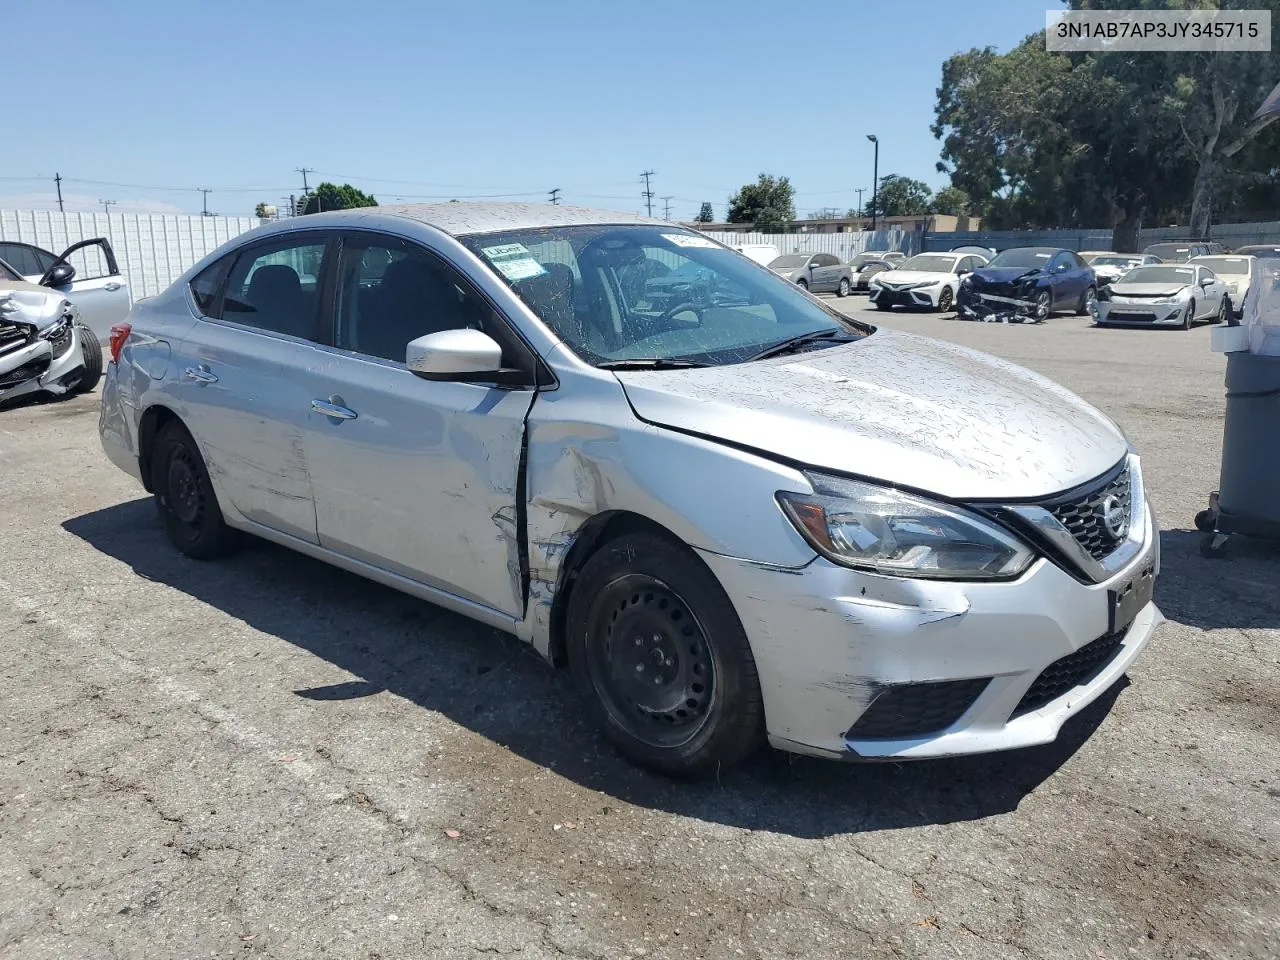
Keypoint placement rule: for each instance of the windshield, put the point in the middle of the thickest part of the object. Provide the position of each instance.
(930, 263)
(1230, 265)
(1170, 251)
(1179, 275)
(644, 292)
(792, 260)
(1024, 257)
(868, 257)
(1116, 261)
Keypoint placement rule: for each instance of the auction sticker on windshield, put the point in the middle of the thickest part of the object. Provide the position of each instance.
(513, 261)
(688, 240)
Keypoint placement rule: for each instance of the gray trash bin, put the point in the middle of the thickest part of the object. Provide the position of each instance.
(1249, 488)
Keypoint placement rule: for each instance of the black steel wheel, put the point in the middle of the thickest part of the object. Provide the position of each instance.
(185, 498)
(661, 658)
(802, 283)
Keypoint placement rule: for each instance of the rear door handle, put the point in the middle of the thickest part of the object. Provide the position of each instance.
(200, 374)
(111, 286)
(333, 409)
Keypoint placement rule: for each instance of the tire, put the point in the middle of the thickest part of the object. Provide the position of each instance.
(1224, 314)
(1044, 306)
(843, 289)
(1206, 521)
(945, 300)
(802, 284)
(91, 348)
(882, 306)
(1190, 312)
(184, 496)
(706, 711)
(1086, 302)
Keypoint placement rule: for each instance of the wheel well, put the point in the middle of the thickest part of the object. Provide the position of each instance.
(153, 419)
(591, 536)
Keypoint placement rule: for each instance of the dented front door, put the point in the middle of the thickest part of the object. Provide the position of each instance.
(419, 477)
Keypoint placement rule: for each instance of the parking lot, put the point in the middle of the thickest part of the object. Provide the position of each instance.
(267, 756)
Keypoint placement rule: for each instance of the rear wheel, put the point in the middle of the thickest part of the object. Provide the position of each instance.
(843, 289)
(1087, 300)
(945, 300)
(659, 654)
(1224, 312)
(185, 498)
(91, 350)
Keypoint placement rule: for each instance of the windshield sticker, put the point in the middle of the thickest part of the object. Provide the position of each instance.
(513, 261)
(689, 240)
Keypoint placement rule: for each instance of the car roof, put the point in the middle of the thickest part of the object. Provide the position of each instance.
(464, 219)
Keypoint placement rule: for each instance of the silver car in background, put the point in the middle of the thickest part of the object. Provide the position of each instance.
(732, 511)
(1164, 294)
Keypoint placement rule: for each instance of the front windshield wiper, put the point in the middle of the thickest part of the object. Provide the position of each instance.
(792, 343)
(649, 363)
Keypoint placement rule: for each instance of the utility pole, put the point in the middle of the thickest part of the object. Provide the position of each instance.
(875, 181)
(555, 196)
(666, 207)
(57, 182)
(861, 191)
(206, 191)
(648, 194)
(304, 171)
(106, 206)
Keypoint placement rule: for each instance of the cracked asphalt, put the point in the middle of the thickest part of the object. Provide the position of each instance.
(268, 757)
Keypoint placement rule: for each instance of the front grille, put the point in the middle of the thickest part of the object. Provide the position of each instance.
(12, 337)
(916, 709)
(1073, 670)
(30, 369)
(1082, 515)
(1129, 317)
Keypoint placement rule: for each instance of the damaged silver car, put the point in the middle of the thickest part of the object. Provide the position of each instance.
(44, 348)
(734, 513)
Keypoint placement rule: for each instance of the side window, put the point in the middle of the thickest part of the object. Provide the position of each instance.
(207, 286)
(276, 287)
(391, 291)
(45, 260)
(827, 260)
(1060, 263)
(90, 262)
(22, 258)
(966, 265)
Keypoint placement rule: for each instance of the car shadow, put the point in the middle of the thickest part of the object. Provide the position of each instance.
(496, 686)
(1240, 588)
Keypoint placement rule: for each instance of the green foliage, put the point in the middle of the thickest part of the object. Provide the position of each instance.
(328, 196)
(706, 214)
(900, 196)
(263, 210)
(769, 204)
(951, 201)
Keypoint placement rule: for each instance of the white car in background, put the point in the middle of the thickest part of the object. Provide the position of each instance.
(86, 273)
(762, 253)
(1236, 271)
(1163, 294)
(929, 280)
(1110, 267)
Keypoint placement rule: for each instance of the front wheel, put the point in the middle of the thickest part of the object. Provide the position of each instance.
(1224, 312)
(91, 353)
(1087, 300)
(1189, 315)
(185, 498)
(843, 289)
(1043, 306)
(802, 284)
(658, 653)
(945, 300)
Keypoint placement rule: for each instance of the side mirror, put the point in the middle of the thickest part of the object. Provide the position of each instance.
(1206, 281)
(59, 274)
(454, 355)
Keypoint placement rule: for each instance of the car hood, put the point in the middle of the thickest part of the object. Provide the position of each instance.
(898, 408)
(1123, 289)
(28, 305)
(899, 277)
(1004, 274)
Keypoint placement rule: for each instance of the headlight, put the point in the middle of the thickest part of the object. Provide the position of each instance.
(967, 282)
(875, 528)
(56, 330)
(1162, 301)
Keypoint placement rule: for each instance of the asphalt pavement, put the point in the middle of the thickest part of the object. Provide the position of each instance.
(267, 756)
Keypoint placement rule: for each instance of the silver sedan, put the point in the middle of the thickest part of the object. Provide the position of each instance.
(734, 513)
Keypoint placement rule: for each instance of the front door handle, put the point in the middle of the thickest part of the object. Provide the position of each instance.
(111, 286)
(333, 408)
(200, 374)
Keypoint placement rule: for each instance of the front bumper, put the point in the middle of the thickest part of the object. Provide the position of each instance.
(915, 297)
(43, 366)
(828, 641)
(1138, 314)
(995, 308)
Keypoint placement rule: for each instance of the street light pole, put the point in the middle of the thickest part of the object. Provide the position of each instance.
(875, 180)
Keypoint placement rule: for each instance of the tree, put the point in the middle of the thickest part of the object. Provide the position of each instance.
(328, 196)
(264, 211)
(706, 214)
(951, 201)
(900, 196)
(769, 204)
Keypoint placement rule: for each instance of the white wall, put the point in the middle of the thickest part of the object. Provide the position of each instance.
(152, 250)
(846, 246)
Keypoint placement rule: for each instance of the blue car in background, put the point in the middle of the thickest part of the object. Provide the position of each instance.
(1026, 284)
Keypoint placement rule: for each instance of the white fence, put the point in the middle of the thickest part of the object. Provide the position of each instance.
(153, 250)
(846, 246)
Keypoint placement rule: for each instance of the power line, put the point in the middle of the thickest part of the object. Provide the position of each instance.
(648, 193)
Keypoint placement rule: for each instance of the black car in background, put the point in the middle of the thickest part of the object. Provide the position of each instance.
(1026, 284)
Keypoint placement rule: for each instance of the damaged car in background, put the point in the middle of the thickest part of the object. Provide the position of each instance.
(44, 349)
(1165, 295)
(735, 514)
(1026, 285)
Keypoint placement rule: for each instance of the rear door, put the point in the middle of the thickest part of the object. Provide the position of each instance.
(97, 288)
(240, 375)
(826, 272)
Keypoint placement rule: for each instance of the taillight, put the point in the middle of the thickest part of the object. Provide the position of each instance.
(119, 334)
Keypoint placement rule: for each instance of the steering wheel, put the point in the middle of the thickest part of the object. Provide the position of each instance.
(683, 307)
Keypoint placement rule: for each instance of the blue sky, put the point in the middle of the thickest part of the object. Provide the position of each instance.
(439, 98)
